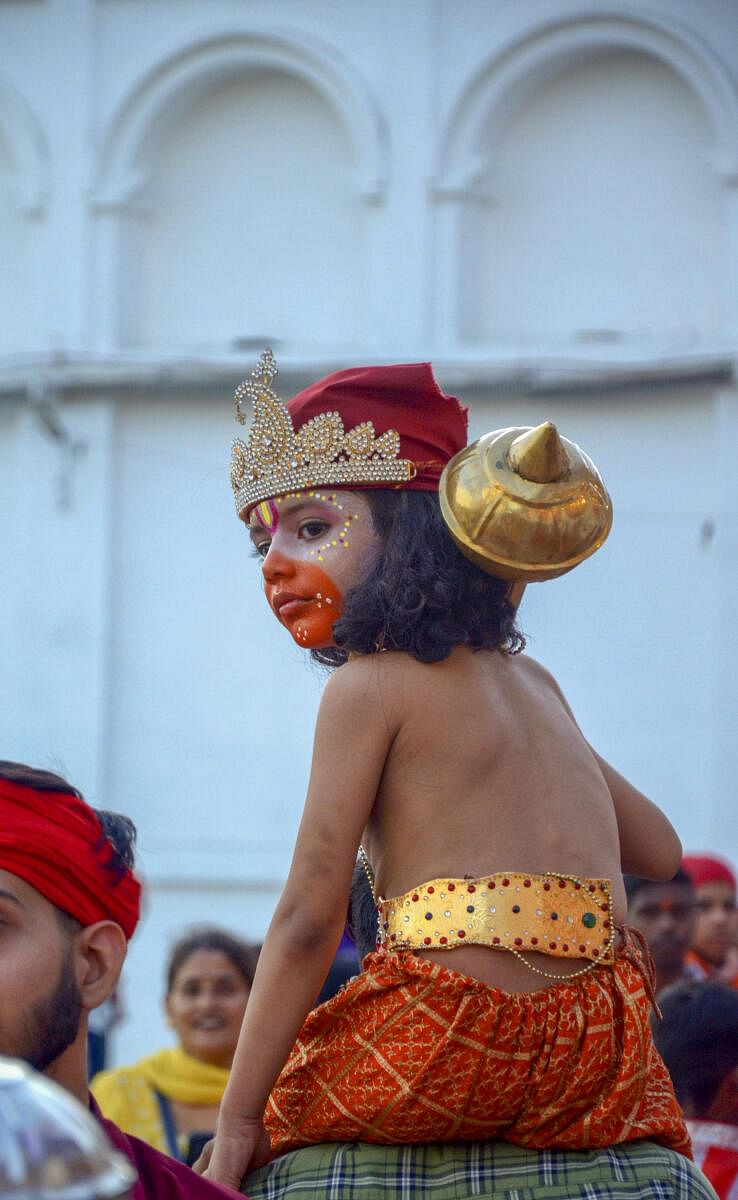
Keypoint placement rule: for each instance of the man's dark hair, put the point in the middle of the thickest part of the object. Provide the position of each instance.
(118, 830)
(36, 778)
(121, 833)
(698, 1039)
(242, 955)
(422, 596)
(634, 883)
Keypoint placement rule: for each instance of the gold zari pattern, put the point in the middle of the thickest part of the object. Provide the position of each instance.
(560, 915)
(276, 460)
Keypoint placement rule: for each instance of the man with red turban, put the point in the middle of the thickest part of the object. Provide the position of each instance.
(714, 952)
(69, 902)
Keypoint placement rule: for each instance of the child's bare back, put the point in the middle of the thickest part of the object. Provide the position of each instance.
(488, 771)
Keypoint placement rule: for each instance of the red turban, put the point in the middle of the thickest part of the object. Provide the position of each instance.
(54, 841)
(406, 397)
(705, 868)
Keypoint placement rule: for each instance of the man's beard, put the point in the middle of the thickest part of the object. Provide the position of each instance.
(53, 1023)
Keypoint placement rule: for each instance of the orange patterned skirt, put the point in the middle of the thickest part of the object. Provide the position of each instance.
(412, 1051)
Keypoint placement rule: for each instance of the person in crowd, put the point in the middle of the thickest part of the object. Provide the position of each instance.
(714, 954)
(447, 756)
(171, 1098)
(69, 902)
(698, 1040)
(665, 915)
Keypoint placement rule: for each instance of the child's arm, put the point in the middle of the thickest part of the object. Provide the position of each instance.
(649, 845)
(352, 740)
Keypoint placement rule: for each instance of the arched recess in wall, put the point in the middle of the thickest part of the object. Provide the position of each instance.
(24, 183)
(235, 198)
(586, 192)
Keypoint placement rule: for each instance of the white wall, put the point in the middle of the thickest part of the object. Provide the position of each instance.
(540, 197)
(606, 163)
(244, 184)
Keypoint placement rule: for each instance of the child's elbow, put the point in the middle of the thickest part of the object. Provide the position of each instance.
(307, 931)
(667, 858)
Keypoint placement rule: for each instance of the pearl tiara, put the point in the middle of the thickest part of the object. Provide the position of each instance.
(276, 460)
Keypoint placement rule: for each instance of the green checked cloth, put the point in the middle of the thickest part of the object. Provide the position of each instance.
(489, 1170)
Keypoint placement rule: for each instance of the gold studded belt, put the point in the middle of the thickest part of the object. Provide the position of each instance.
(561, 915)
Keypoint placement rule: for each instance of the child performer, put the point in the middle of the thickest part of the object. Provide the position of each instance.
(453, 764)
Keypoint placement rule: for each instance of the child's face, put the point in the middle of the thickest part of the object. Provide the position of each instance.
(315, 547)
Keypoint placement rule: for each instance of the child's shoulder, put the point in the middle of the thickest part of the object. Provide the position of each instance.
(393, 672)
(380, 677)
(535, 669)
(543, 681)
(383, 667)
(369, 691)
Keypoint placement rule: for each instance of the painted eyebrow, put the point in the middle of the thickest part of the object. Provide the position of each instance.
(4, 895)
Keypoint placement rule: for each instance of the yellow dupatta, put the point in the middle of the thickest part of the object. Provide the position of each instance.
(127, 1095)
(181, 1078)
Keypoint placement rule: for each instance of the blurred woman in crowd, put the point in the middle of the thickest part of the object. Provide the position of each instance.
(698, 1040)
(171, 1098)
(714, 954)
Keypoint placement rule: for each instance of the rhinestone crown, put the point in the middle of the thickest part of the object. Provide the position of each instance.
(276, 460)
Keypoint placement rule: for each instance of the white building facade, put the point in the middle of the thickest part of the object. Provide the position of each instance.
(539, 196)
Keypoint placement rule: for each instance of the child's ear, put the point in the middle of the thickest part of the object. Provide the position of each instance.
(100, 952)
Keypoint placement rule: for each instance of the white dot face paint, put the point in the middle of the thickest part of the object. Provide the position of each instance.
(345, 518)
(316, 546)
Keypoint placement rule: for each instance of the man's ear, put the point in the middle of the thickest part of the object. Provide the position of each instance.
(100, 951)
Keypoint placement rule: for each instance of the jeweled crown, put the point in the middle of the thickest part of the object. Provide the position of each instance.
(276, 460)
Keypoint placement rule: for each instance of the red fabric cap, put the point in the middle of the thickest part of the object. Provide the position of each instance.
(406, 397)
(54, 842)
(705, 868)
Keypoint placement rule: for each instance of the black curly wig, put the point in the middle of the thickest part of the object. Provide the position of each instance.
(422, 596)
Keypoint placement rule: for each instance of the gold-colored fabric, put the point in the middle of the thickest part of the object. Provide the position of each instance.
(560, 915)
(525, 504)
(127, 1095)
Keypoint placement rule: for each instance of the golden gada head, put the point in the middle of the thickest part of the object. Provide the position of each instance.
(525, 504)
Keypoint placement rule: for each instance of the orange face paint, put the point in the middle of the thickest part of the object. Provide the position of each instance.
(315, 547)
(306, 602)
